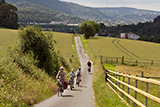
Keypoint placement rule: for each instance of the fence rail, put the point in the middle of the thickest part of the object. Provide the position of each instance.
(123, 60)
(112, 78)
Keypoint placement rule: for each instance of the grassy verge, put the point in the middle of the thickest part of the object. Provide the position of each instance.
(22, 84)
(104, 96)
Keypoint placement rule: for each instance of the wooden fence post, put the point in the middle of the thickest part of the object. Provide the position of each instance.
(107, 60)
(152, 63)
(119, 79)
(135, 94)
(142, 74)
(136, 62)
(146, 98)
(123, 85)
(117, 61)
(128, 89)
(122, 59)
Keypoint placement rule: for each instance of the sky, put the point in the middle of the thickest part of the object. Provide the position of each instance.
(140, 4)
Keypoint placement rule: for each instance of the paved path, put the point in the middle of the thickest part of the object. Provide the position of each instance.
(82, 96)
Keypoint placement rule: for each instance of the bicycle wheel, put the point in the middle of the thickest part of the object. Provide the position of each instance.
(58, 92)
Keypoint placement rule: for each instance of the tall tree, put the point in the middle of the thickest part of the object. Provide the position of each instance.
(89, 28)
(8, 15)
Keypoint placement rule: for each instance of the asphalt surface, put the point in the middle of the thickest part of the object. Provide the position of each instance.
(82, 96)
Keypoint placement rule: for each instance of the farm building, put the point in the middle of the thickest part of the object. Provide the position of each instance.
(129, 36)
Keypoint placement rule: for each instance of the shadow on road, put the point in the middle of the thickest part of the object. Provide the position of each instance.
(76, 90)
(83, 86)
(67, 96)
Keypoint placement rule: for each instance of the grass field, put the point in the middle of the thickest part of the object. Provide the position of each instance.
(112, 47)
(28, 93)
(104, 96)
(8, 37)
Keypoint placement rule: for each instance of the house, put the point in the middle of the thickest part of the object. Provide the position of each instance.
(129, 36)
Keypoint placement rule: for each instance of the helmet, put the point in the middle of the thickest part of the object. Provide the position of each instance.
(79, 67)
(72, 69)
(61, 68)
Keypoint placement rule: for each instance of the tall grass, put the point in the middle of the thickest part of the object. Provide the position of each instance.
(23, 86)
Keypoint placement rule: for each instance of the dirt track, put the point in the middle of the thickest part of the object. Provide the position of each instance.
(82, 96)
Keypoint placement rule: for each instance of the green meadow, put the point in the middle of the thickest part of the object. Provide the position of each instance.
(131, 49)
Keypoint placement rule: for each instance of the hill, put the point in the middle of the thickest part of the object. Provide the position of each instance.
(30, 12)
(126, 14)
(116, 15)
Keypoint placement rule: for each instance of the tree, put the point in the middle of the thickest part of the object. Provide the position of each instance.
(89, 28)
(8, 15)
(32, 39)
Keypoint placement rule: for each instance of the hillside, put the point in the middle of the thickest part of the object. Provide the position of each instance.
(125, 14)
(115, 15)
(41, 14)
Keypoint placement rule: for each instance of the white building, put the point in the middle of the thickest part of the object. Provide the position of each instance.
(129, 36)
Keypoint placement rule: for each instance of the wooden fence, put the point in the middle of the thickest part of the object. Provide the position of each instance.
(122, 60)
(117, 78)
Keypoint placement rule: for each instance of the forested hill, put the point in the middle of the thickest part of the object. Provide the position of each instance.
(30, 12)
(149, 31)
(115, 15)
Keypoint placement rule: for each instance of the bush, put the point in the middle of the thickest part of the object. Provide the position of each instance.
(33, 39)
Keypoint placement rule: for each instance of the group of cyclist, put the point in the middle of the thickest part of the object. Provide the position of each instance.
(61, 76)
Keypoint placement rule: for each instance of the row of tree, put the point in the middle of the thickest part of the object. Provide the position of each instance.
(8, 15)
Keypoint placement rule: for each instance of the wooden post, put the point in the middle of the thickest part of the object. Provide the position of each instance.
(152, 63)
(146, 98)
(142, 74)
(122, 59)
(123, 85)
(119, 79)
(107, 60)
(117, 61)
(136, 62)
(135, 94)
(128, 89)
(111, 60)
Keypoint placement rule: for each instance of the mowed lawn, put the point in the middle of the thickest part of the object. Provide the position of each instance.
(8, 37)
(133, 49)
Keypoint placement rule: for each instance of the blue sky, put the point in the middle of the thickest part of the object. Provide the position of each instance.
(141, 4)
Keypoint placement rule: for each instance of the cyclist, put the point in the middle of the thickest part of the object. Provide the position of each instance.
(72, 76)
(61, 76)
(79, 74)
(89, 66)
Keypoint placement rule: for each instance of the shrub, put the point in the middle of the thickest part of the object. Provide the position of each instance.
(33, 39)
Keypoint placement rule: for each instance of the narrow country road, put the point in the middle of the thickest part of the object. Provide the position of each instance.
(82, 96)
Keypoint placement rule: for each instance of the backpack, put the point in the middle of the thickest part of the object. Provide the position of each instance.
(65, 85)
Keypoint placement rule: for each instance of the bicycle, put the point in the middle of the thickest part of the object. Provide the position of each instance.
(78, 81)
(60, 85)
(71, 82)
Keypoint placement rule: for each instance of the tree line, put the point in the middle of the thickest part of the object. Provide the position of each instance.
(148, 31)
(8, 15)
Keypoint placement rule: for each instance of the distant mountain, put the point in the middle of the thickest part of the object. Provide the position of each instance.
(30, 12)
(121, 15)
(129, 14)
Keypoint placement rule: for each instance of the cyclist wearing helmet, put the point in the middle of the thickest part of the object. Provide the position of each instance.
(72, 76)
(61, 74)
(79, 73)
